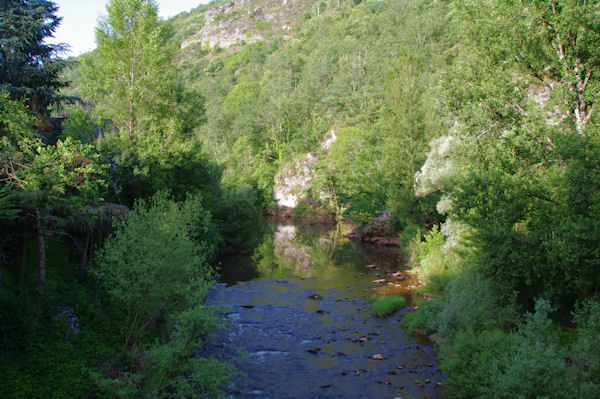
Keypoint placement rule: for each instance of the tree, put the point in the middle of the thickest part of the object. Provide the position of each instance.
(130, 77)
(520, 169)
(553, 42)
(28, 66)
(58, 179)
(50, 179)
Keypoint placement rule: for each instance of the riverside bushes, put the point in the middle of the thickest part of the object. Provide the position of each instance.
(490, 349)
(486, 353)
(155, 267)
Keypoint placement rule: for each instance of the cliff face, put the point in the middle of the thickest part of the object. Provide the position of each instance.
(292, 183)
(247, 21)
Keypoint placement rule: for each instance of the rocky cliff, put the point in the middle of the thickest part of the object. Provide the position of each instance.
(245, 21)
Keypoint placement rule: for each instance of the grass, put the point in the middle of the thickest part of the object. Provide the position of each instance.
(385, 306)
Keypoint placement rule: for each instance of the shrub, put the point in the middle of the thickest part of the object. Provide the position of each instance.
(474, 360)
(239, 220)
(409, 233)
(537, 367)
(386, 306)
(152, 265)
(416, 320)
(490, 363)
(586, 350)
(155, 267)
(432, 265)
(471, 302)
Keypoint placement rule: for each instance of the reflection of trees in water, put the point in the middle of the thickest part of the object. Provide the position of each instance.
(291, 252)
(316, 250)
(303, 251)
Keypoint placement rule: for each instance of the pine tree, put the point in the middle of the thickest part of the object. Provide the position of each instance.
(29, 68)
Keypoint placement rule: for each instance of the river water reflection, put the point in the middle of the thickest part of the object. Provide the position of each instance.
(298, 321)
(323, 254)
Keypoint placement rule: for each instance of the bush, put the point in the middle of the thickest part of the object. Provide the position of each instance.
(474, 360)
(385, 306)
(432, 265)
(586, 350)
(537, 367)
(490, 363)
(409, 233)
(155, 267)
(470, 302)
(239, 220)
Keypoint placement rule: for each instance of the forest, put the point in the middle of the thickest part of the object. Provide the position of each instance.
(127, 171)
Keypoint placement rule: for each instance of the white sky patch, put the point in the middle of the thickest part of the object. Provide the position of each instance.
(80, 19)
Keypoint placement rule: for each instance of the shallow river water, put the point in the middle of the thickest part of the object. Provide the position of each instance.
(298, 321)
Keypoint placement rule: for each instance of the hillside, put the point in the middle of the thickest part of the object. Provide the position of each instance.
(272, 94)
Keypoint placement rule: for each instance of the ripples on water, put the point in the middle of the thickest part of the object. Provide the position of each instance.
(299, 324)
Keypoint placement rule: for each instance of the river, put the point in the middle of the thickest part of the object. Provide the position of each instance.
(298, 321)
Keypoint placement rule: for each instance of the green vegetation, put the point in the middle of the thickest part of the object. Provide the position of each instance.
(29, 68)
(386, 306)
(474, 122)
(154, 266)
(99, 301)
(513, 258)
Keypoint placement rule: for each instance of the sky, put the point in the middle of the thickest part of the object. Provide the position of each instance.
(80, 18)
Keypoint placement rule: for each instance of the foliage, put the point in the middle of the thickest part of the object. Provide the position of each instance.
(409, 233)
(152, 114)
(69, 171)
(132, 44)
(272, 100)
(166, 159)
(470, 302)
(79, 125)
(239, 220)
(15, 123)
(15, 126)
(532, 231)
(386, 306)
(549, 41)
(152, 263)
(432, 265)
(155, 267)
(474, 359)
(29, 67)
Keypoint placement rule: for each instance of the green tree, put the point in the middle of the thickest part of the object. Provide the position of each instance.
(59, 179)
(523, 143)
(29, 68)
(130, 77)
(552, 42)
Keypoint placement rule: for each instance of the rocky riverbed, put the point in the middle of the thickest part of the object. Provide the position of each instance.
(301, 327)
(290, 340)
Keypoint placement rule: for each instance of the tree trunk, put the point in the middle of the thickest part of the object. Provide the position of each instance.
(41, 254)
(23, 256)
(86, 250)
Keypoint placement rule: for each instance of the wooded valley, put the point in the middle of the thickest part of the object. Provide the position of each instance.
(126, 172)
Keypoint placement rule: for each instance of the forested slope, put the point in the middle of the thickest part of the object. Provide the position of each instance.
(367, 70)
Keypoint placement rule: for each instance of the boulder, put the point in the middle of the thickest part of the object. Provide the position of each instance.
(377, 231)
(66, 316)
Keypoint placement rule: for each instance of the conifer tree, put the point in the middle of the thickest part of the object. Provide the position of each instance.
(29, 68)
